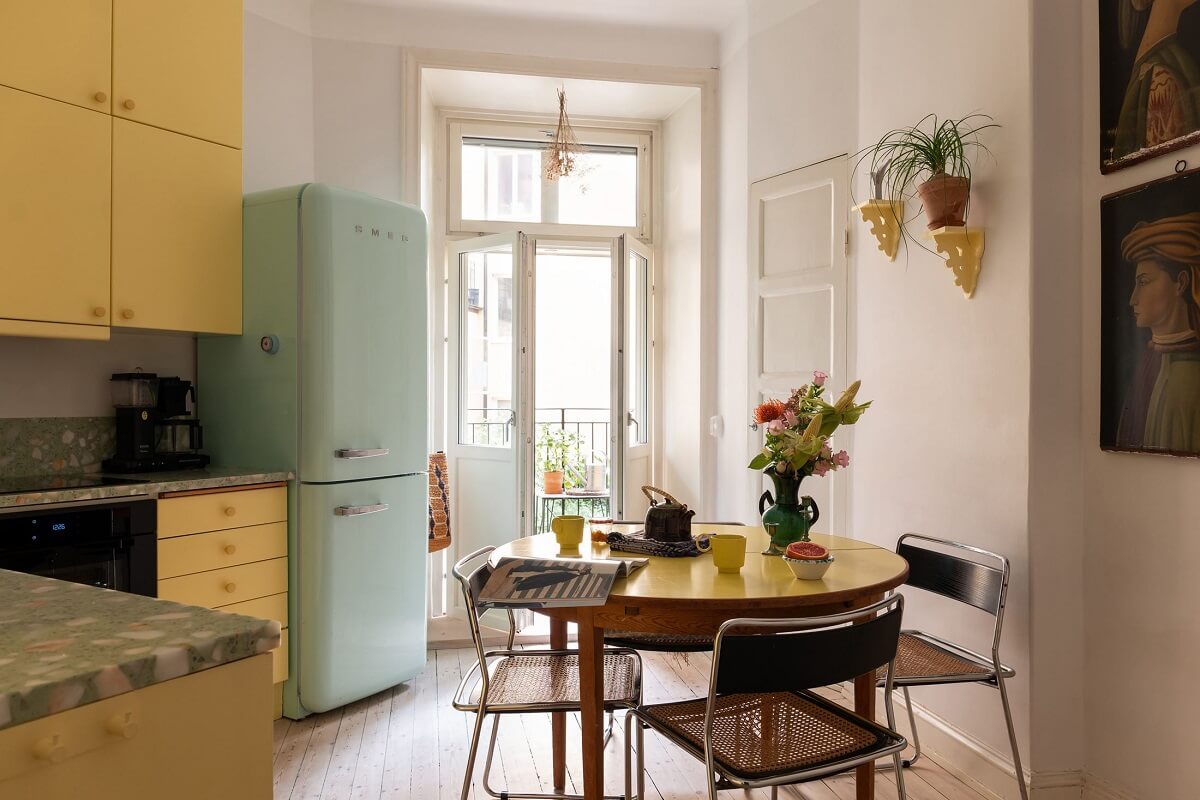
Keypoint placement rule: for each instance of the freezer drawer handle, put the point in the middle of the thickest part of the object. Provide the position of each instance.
(352, 453)
(354, 511)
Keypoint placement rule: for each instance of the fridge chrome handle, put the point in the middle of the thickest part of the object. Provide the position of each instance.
(361, 453)
(357, 511)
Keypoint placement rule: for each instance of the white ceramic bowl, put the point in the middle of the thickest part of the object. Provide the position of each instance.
(807, 570)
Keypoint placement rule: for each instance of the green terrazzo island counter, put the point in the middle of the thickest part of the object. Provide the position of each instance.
(149, 484)
(64, 645)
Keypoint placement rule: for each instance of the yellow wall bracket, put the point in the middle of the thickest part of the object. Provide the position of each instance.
(884, 217)
(963, 249)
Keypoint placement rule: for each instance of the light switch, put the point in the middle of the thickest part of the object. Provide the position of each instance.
(716, 426)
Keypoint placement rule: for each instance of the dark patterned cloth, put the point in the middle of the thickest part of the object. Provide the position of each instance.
(439, 503)
(628, 543)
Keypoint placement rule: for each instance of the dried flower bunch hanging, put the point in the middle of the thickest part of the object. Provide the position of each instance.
(564, 147)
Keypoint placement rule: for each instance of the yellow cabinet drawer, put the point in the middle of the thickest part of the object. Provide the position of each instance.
(200, 552)
(273, 607)
(199, 513)
(279, 667)
(222, 587)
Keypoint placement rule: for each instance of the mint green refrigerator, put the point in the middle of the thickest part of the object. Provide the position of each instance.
(329, 380)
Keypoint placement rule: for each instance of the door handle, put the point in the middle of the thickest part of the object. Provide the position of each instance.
(357, 511)
(362, 453)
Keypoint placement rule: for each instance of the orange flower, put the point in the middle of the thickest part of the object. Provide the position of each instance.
(770, 410)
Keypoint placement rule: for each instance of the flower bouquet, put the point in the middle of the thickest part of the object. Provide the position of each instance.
(797, 444)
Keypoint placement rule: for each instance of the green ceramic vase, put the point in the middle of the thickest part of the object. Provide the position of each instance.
(789, 516)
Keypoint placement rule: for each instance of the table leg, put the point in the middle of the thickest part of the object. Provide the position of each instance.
(864, 706)
(558, 720)
(591, 702)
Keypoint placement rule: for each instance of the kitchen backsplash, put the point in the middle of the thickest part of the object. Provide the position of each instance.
(53, 445)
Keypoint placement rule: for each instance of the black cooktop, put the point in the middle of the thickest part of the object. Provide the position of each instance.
(48, 483)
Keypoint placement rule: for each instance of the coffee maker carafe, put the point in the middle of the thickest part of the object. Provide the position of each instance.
(154, 431)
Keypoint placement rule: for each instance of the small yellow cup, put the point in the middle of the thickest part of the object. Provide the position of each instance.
(729, 551)
(568, 530)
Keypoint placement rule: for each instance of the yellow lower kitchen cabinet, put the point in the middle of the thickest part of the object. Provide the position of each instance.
(176, 231)
(54, 218)
(198, 737)
(227, 549)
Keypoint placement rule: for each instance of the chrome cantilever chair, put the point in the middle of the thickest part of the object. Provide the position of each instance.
(760, 725)
(533, 681)
(973, 576)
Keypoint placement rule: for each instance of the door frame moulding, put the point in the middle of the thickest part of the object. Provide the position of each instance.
(416, 59)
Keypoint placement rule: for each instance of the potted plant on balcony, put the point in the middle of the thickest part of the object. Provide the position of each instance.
(930, 160)
(558, 449)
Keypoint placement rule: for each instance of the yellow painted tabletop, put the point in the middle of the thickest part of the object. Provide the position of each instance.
(858, 568)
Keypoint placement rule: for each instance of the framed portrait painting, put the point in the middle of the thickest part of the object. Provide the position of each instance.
(1150, 317)
(1149, 79)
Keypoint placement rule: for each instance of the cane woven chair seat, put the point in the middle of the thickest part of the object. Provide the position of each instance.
(548, 682)
(920, 660)
(766, 734)
(661, 642)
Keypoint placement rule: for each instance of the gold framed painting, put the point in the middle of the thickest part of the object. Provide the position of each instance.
(1149, 79)
(1150, 317)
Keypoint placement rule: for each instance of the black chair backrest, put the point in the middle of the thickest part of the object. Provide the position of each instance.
(779, 662)
(953, 576)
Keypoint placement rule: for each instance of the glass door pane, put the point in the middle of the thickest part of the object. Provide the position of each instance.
(486, 378)
(634, 390)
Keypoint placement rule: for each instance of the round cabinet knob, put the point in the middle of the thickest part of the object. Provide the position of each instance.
(100, 97)
(99, 311)
(230, 549)
(129, 104)
(122, 725)
(127, 313)
(50, 749)
(230, 511)
(230, 587)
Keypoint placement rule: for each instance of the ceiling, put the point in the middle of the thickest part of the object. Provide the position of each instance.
(711, 15)
(535, 94)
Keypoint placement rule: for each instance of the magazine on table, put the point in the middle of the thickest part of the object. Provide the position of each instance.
(548, 582)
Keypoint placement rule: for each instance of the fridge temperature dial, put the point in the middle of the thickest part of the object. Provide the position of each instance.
(269, 344)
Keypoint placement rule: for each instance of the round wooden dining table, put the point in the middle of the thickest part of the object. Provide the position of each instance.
(688, 595)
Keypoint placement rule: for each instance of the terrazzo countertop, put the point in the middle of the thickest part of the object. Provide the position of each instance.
(152, 485)
(64, 645)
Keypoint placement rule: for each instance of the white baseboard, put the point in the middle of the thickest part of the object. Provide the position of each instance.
(1095, 788)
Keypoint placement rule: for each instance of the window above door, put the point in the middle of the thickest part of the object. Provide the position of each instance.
(495, 181)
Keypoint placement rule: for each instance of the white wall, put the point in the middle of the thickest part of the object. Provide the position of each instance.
(678, 283)
(1143, 632)
(829, 78)
(277, 99)
(357, 101)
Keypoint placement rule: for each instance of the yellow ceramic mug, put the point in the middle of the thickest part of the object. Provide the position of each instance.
(729, 551)
(568, 530)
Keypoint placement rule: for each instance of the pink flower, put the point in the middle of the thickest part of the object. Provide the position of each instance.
(789, 418)
(819, 378)
(842, 458)
(776, 426)
(820, 468)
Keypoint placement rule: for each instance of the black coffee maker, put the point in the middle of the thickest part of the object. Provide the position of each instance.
(154, 429)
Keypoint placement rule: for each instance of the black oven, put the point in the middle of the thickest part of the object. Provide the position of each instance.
(109, 543)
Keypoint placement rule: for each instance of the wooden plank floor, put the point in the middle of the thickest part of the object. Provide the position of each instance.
(408, 742)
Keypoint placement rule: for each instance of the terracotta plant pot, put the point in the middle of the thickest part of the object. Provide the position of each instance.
(552, 482)
(944, 198)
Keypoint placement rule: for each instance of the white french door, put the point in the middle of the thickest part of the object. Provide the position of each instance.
(633, 326)
(489, 422)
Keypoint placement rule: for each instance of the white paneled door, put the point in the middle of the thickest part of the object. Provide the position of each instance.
(489, 423)
(798, 301)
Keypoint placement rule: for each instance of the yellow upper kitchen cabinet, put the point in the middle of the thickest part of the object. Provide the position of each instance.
(176, 232)
(54, 218)
(178, 65)
(59, 49)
